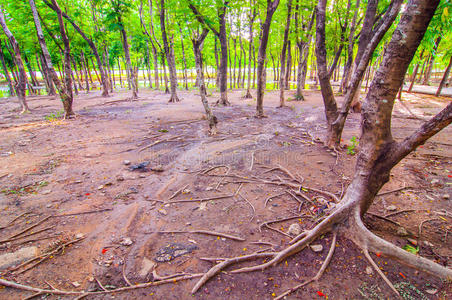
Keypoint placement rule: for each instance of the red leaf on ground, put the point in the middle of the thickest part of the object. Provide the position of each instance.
(104, 250)
(320, 294)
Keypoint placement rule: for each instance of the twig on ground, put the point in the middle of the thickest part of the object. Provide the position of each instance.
(84, 212)
(158, 277)
(252, 161)
(30, 234)
(394, 190)
(200, 200)
(252, 207)
(178, 191)
(43, 256)
(222, 178)
(319, 273)
(384, 219)
(124, 272)
(271, 197)
(264, 243)
(402, 211)
(171, 139)
(202, 232)
(380, 272)
(212, 168)
(25, 230)
(100, 285)
(218, 267)
(296, 198)
(13, 220)
(422, 224)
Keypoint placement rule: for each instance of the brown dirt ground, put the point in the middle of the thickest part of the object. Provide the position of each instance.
(52, 167)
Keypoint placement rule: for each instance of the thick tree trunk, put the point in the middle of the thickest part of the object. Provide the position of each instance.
(288, 67)
(224, 57)
(283, 55)
(22, 81)
(48, 77)
(444, 79)
(271, 8)
(197, 49)
(5, 70)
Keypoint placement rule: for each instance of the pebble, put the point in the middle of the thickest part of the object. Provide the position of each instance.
(294, 229)
(391, 208)
(142, 176)
(209, 188)
(100, 187)
(434, 181)
(316, 248)
(126, 162)
(431, 291)
(126, 241)
(162, 211)
(79, 235)
(369, 270)
(76, 284)
(446, 197)
(49, 205)
(120, 178)
(402, 231)
(46, 192)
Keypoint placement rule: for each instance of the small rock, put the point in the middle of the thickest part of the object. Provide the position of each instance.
(294, 229)
(126, 241)
(209, 188)
(320, 162)
(434, 181)
(401, 231)
(76, 284)
(275, 205)
(203, 205)
(79, 235)
(431, 291)
(446, 197)
(316, 248)
(427, 243)
(146, 266)
(100, 187)
(108, 263)
(391, 208)
(158, 168)
(120, 178)
(162, 211)
(49, 205)
(369, 270)
(142, 176)
(46, 192)
(186, 191)
(126, 162)
(9, 259)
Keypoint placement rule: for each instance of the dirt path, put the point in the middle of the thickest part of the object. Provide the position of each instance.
(64, 169)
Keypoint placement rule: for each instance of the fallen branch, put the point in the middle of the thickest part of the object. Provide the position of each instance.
(380, 272)
(84, 212)
(25, 230)
(201, 199)
(178, 191)
(202, 232)
(171, 139)
(269, 198)
(394, 191)
(14, 220)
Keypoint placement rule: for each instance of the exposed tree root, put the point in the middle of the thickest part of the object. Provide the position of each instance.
(25, 230)
(217, 268)
(252, 206)
(319, 273)
(178, 191)
(271, 197)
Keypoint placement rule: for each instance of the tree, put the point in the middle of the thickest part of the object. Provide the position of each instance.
(66, 97)
(262, 54)
(103, 76)
(282, 78)
(251, 17)
(119, 8)
(335, 118)
(169, 55)
(220, 32)
(22, 83)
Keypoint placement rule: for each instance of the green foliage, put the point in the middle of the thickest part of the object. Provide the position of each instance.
(54, 116)
(351, 149)
(411, 249)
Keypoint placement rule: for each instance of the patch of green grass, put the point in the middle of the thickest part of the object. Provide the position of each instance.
(351, 149)
(54, 116)
(409, 291)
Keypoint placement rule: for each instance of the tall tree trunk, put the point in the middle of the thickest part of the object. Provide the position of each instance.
(5, 70)
(22, 82)
(431, 62)
(347, 68)
(218, 73)
(165, 76)
(169, 55)
(66, 97)
(272, 5)
(197, 49)
(184, 59)
(444, 79)
(252, 16)
(283, 55)
(131, 75)
(48, 77)
(415, 71)
(85, 69)
(288, 67)
(34, 81)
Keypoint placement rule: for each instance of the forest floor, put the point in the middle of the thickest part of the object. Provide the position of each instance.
(74, 179)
